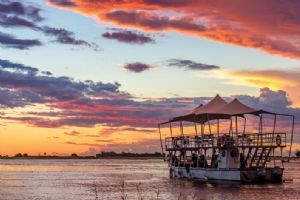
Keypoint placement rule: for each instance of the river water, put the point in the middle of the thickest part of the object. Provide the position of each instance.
(125, 179)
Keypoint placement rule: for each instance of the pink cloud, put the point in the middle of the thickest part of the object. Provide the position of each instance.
(271, 26)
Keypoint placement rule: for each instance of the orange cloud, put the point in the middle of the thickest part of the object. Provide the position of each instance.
(287, 80)
(271, 26)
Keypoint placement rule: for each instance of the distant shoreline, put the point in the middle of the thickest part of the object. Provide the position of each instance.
(102, 155)
(77, 158)
(90, 158)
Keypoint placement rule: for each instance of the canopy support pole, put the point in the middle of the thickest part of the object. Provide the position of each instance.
(161, 143)
(195, 121)
(171, 131)
(260, 123)
(245, 121)
(236, 125)
(181, 128)
(274, 128)
(230, 128)
(261, 128)
(208, 123)
(292, 137)
(202, 129)
(218, 127)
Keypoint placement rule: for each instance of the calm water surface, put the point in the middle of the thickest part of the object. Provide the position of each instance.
(103, 179)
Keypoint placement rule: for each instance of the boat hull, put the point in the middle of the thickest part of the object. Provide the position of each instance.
(236, 175)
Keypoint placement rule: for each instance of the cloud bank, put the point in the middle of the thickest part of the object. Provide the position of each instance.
(71, 103)
(78, 103)
(10, 41)
(270, 26)
(14, 14)
(88, 103)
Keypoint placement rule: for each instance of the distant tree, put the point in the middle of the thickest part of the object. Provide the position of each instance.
(297, 153)
(74, 155)
(18, 155)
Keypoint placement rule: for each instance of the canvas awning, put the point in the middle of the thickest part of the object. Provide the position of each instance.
(235, 107)
(199, 114)
(211, 107)
(218, 108)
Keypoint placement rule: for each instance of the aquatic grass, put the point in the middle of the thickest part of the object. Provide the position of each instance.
(157, 194)
(123, 192)
(140, 193)
(95, 190)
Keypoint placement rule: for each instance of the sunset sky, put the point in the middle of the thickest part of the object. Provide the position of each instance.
(84, 76)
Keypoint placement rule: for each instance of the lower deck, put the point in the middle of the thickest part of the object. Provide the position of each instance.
(253, 175)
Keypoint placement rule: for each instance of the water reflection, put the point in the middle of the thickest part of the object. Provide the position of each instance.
(114, 179)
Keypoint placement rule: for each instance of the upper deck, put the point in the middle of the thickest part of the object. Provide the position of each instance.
(211, 141)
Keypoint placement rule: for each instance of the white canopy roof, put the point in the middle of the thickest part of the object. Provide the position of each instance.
(218, 108)
(198, 113)
(235, 107)
(211, 107)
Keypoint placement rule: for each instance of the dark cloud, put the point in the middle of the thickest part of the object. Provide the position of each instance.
(19, 9)
(190, 65)
(19, 15)
(13, 21)
(63, 3)
(137, 67)
(64, 36)
(9, 41)
(18, 80)
(6, 64)
(127, 36)
(11, 98)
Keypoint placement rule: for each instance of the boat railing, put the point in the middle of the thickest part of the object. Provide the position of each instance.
(181, 142)
(262, 140)
(212, 141)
